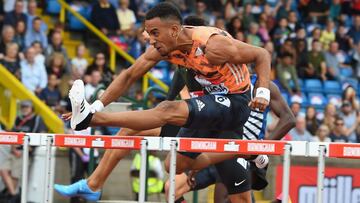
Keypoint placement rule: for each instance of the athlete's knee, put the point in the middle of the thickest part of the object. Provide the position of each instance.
(172, 110)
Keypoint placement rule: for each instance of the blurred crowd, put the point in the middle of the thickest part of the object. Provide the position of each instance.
(314, 44)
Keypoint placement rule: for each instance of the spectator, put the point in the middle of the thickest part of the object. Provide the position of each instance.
(36, 34)
(317, 65)
(26, 122)
(295, 108)
(349, 95)
(51, 94)
(31, 14)
(39, 56)
(79, 63)
(127, 19)
(220, 23)
(315, 35)
(281, 32)
(263, 32)
(332, 62)
(312, 123)
(335, 9)
(100, 64)
(20, 31)
(286, 72)
(56, 65)
(247, 17)
(234, 26)
(103, 16)
(139, 45)
(268, 17)
(302, 61)
(240, 36)
(288, 47)
(354, 32)
(232, 9)
(11, 60)
(293, 24)
(56, 45)
(322, 134)
(338, 133)
(328, 35)
(93, 84)
(269, 46)
(342, 39)
(253, 37)
(7, 36)
(349, 116)
(299, 133)
(282, 9)
(33, 75)
(329, 116)
(201, 11)
(318, 11)
(17, 14)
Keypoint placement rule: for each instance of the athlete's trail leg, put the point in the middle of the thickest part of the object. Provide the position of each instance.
(167, 112)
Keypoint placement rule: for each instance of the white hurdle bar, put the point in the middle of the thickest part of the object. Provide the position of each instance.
(286, 148)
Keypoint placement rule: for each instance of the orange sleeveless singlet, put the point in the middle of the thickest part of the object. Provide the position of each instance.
(216, 79)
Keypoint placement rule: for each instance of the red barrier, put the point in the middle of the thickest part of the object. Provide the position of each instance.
(231, 146)
(108, 142)
(12, 138)
(344, 150)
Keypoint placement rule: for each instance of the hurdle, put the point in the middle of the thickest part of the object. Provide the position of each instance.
(174, 145)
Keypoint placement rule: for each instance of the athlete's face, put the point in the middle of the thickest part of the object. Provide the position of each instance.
(162, 34)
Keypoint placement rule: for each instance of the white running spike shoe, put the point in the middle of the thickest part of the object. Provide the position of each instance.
(81, 115)
(261, 161)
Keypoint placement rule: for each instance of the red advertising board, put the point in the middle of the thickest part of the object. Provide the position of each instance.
(341, 185)
(344, 150)
(231, 146)
(11, 138)
(110, 142)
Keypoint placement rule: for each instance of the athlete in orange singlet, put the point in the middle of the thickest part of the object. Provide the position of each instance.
(218, 62)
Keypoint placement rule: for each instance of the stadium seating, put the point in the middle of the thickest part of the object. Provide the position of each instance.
(313, 85)
(332, 87)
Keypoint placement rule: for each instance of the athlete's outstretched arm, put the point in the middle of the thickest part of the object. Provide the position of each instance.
(220, 50)
(281, 109)
(126, 78)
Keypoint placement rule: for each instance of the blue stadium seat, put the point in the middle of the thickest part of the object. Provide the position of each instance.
(74, 23)
(313, 85)
(334, 99)
(317, 99)
(53, 7)
(332, 87)
(346, 72)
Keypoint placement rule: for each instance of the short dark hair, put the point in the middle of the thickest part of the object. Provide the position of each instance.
(164, 11)
(194, 21)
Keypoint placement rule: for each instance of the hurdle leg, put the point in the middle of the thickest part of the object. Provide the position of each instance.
(143, 152)
(47, 185)
(173, 145)
(25, 170)
(286, 174)
(320, 175)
